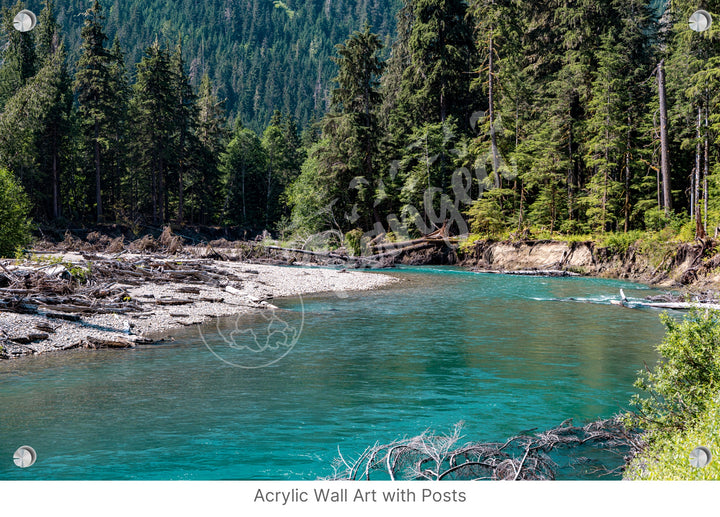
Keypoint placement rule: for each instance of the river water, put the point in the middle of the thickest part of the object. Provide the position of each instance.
(500, 353)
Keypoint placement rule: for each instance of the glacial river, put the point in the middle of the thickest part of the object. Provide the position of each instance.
(500, 353)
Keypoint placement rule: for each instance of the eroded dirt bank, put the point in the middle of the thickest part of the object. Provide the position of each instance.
(695, 266)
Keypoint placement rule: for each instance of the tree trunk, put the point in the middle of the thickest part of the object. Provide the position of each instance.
(699, 228)
(706, 170)
(491, 109)
(181, 179)
(267, 197)
(181, 188)
(155, 195)
(243, 195)
(696, 173)
(626, 208)
(664, 152)
(98, 190)
(570, 175)
(56, 182)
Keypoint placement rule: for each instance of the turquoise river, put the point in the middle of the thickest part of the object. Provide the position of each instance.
(500, 353)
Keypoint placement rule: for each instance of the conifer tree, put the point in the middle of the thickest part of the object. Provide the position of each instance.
(346, 155)
(30, 123)
(244, 167)
(95, 93)
(116, 152)
(281, 144)
(48, 30)
(185, 118)
(154, 106)
(19, 59)
(206, 199)
(53, 141)
(436, 82)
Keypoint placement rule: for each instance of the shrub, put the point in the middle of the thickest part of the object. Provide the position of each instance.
(655, 219)
(687, 232)
(686, 379)
(15, 222)
(683, 406)
(618, 243)
(669, 459)
(352, 241)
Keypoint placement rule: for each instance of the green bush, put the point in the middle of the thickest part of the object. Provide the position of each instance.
(670, 459)
(682, 407)
(352, 241)
(687, 232)
(618, 243)
(14, 215)
(687, 378)
(655, 219)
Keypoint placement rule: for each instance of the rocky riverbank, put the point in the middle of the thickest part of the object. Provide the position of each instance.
(65, 300)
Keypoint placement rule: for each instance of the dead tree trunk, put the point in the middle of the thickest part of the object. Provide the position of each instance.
(664, 153)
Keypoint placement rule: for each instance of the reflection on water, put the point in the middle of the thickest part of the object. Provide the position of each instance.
(444, 346)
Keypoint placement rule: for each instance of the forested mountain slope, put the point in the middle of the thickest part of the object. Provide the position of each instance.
(262, 55)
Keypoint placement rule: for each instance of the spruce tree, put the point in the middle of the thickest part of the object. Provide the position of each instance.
(347, 154)
(205, 189)
(153, 108)
(116, 153)
(185, 119)
(53, 141)
(30, 134)
(281, 144)
(95, 94)
(436, 83)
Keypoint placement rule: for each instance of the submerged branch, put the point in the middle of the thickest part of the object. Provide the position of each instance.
(522, 457)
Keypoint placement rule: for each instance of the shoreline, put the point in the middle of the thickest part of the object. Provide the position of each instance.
(138, 297)
(144, 313)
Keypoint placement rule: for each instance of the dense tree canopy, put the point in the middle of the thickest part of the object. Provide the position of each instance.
(491, 115)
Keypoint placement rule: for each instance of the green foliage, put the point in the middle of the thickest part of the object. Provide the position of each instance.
(655, 219)
(33, 127)
(682, 406)
(618, 243)
(309, 198)
(262, 55)
(344, 160)
(553, 98)
(14, 214)
(100, 98)
(244, 168)
(668, 459)
(686, 380)
(281, 143)
(353, 241)
(80, 274)
(436, 83)
(489, 215)
(19, 59)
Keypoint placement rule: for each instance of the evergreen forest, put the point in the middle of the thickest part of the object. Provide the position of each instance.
(492, 117)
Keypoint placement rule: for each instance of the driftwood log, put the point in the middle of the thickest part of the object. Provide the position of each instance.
(101, 287)
(523, 457)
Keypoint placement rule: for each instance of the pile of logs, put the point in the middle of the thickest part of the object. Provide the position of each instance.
(378, 252)
(65, 292)
(103, 289)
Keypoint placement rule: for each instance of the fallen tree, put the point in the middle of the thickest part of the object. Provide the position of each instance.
(523, 457)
